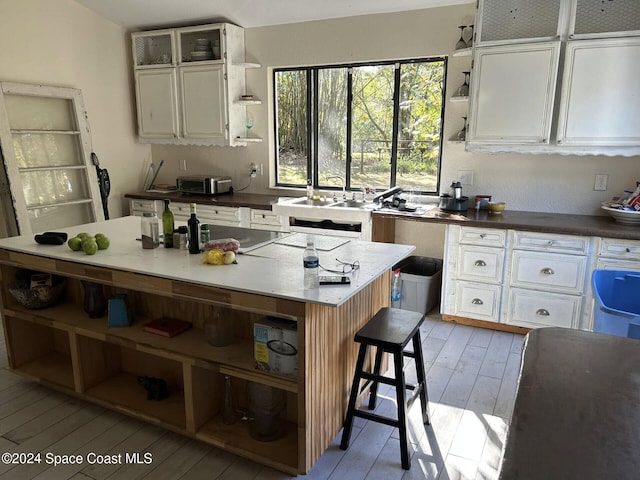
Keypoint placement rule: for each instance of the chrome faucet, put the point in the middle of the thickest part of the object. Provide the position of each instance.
(342, 183)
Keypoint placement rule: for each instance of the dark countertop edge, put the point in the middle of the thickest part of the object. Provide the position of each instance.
(251, 200)
(562, 223)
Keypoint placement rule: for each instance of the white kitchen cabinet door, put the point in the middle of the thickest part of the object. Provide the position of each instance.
(512, 94)
(157, 103)
(600, 99)
(204, 113)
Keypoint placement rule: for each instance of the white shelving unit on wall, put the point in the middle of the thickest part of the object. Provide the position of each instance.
(460, 68)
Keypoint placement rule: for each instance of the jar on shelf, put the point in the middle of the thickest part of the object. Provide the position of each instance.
(218, 328)
(266, 407)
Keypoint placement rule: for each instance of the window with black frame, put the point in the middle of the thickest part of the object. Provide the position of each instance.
(375, 125)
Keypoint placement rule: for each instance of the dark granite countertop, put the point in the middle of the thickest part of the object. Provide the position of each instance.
(589, 225)
(251, 200)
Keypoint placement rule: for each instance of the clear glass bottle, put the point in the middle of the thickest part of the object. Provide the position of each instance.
(194, 231)
(150, 231)
(311, 264)
(167, 224)
(229, 410)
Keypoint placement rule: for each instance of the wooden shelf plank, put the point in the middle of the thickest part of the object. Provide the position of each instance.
(281, 454)
(54, 367)
(190, 347)
(123, 393)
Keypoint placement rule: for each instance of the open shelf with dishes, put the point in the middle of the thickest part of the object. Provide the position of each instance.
(463, 50)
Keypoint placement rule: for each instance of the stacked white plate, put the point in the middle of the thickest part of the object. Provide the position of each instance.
(623, 216)
(202, 50)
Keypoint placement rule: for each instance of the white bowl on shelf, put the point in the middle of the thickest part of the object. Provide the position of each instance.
(623, 216)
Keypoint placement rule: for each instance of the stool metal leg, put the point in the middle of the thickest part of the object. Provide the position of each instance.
(373, 393)
(353, 397)
(424, 396)
(401, 395)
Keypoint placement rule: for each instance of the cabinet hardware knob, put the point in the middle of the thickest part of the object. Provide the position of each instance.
(628, 250)
(550, 242)
(547, 271)
(482, 235)
(542, 312)
(480, 263)
(477, 301)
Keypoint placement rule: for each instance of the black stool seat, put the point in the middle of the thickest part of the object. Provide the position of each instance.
(390, 330)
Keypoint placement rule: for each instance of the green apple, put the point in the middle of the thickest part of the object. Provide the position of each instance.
(75, 244)
(90, 248)
(103, 242)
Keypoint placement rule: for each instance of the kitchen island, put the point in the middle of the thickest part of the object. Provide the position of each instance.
(61, 347)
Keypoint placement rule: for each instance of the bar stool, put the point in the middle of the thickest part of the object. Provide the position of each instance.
(390, 330)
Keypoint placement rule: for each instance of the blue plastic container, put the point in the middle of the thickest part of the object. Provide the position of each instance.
(617, 294)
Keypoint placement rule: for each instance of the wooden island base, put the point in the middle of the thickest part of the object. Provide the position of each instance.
(62, 348)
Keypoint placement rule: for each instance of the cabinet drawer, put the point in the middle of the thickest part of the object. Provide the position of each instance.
(543, 271)
(181, 211)
(615, 264)
(137, 206)
(545, 242)
(477, 300)
(480, 264)
(492, 237)
(529, 308)
(619, 249)
(265, 217)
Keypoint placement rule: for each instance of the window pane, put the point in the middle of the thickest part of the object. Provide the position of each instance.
(47, 150)
(40, 113)
(332, 126)
(291, 125)
(54, 186)
(420, 125)
(52, 218)
(372, 126)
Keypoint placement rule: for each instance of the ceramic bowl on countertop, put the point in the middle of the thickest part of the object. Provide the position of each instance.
(497, 207)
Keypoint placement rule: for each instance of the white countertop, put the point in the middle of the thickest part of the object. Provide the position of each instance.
(273, 270)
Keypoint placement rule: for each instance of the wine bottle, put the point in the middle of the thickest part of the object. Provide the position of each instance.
(194, 231)
(167, 224)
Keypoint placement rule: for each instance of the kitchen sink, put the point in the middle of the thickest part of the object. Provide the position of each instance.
(320, 202)
(349, 204)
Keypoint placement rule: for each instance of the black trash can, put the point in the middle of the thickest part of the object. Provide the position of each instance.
(421, 279)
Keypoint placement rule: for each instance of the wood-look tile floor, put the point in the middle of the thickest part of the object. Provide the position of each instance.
(471, 377)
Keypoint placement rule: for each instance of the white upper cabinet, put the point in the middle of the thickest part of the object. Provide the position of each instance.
(509, 21)
(517, 103)
(157, 102)
(188, 83)
(598, 18)
(600, 100)
(513, 93)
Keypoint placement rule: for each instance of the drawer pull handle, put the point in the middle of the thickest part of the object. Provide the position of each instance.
(482, 235)
(547, 271)
(550, 242)
(480, 263)
(542, 312)
(477, 301)
(628, 250)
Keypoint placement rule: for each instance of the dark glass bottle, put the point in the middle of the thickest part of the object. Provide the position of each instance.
(167, 224)
(194, 231)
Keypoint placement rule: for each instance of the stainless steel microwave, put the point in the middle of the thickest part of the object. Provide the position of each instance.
(205, 185)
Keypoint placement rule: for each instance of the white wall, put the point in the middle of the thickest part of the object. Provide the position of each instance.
(546, 183)
(58, 42)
